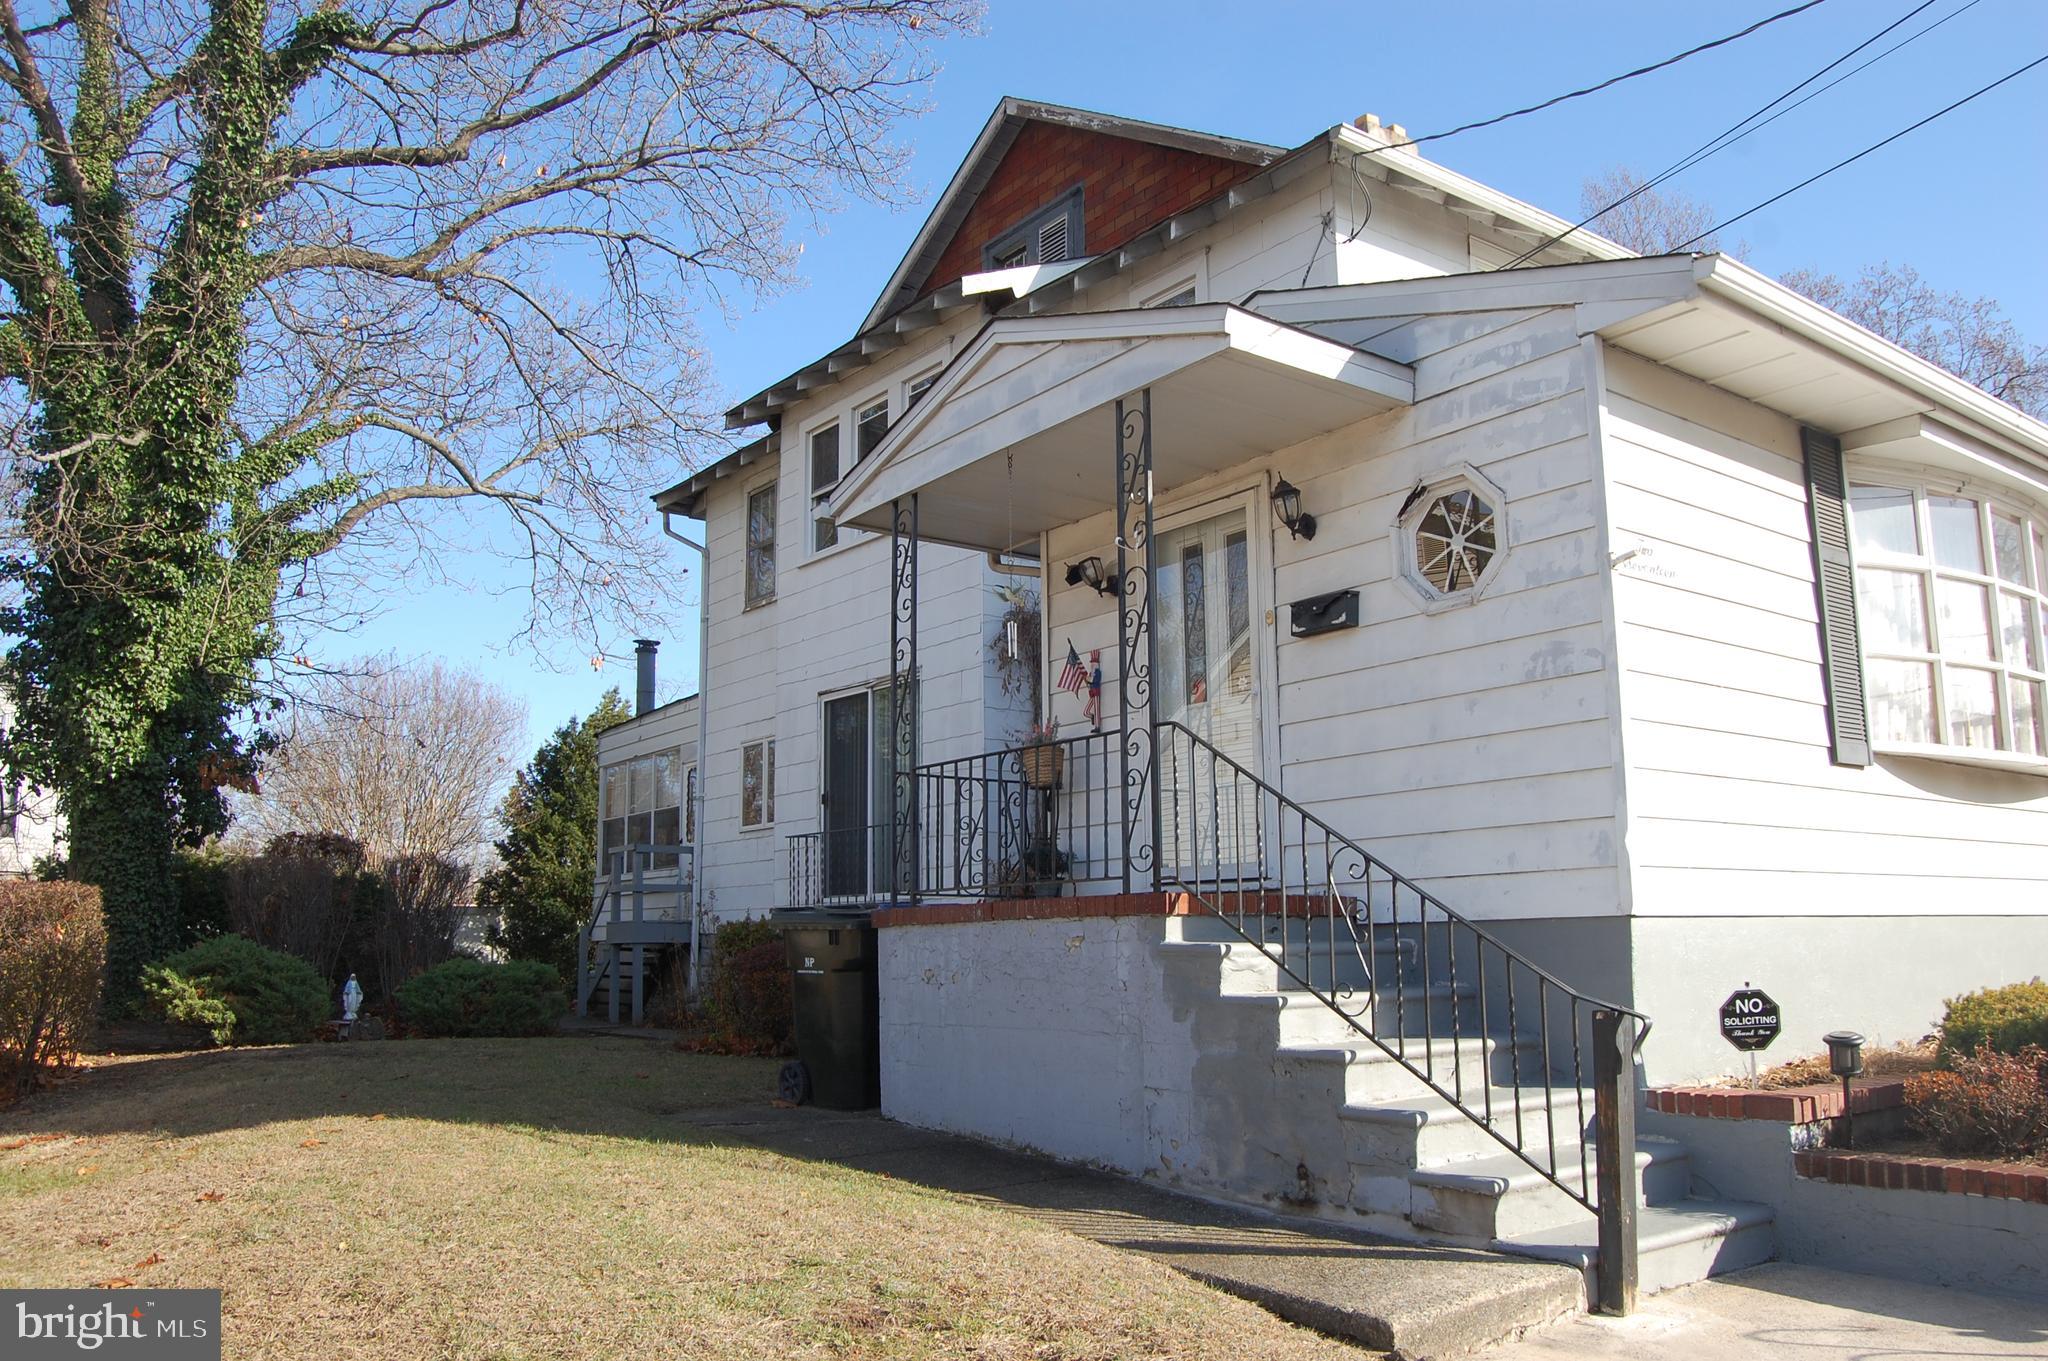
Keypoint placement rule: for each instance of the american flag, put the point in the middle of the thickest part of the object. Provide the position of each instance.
(1072, 678)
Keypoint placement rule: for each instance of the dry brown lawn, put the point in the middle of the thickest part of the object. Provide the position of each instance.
(544, 1199)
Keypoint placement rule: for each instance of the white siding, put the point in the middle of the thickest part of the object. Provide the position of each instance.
(1736, 808)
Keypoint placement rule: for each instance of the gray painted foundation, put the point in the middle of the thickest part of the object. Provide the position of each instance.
(1969, 1242)
(1884, 976)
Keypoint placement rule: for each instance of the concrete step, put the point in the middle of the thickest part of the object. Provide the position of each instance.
(1431, 1132)
(1482, 1199)
(1375, 1076)
(1675, 1244)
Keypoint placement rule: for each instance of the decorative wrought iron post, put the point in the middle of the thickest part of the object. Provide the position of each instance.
(1136, 653)
(903, 699)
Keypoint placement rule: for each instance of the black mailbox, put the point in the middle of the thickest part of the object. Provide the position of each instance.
(1324, 613)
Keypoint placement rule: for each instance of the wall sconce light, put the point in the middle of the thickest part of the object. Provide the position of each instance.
(1845, 1060)
(1287, 504)
(1088, 572)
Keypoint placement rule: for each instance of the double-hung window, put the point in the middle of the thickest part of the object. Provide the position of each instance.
(824, 476)
(869, 425)
(1950, 589)
(761, 545)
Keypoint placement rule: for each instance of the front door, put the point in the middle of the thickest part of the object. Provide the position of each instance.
(1208, 683)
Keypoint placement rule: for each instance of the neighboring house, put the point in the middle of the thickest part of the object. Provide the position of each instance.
(30, 825)
(1493, 660)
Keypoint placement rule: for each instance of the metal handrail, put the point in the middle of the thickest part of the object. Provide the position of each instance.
(1276, 860)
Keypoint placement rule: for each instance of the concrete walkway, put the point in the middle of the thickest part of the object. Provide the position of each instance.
(1779, 1310)
(1415, 1299)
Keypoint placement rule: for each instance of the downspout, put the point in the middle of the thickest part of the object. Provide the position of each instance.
(703, 743)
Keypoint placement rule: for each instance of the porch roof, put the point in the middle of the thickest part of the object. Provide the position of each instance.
(1019, 434)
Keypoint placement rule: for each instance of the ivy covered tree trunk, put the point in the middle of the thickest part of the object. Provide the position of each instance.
(281, 278)
(121, 837)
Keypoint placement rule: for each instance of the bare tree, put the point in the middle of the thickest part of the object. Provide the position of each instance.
(1970, 337)
(295, 290)
(411, 762)
(1647, 221)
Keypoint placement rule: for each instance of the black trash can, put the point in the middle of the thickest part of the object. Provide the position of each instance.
(838, 1013)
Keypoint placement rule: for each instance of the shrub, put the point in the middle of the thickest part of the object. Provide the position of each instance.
(1985, 1103)
(468, 997)
(301, 896)
(2010, 1019)
(748, 997)
(239, 992)
(53, 954)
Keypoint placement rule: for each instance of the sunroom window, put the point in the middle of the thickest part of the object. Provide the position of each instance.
(1949, 591)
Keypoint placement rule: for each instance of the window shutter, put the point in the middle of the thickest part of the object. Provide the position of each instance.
(1834, 585)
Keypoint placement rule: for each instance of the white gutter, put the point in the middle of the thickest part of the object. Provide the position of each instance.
(1717, 274)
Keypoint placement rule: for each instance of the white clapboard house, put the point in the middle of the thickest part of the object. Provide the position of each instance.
(1510, 647)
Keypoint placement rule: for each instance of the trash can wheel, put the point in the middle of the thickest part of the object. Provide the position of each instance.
(793, 1083)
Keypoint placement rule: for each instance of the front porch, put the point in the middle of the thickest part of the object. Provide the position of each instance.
(1172, 966)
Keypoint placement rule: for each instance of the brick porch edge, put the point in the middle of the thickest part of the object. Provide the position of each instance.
(1894, 1172)
(1795, 1105)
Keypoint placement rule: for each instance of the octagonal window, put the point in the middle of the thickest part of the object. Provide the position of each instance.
(1451, 539)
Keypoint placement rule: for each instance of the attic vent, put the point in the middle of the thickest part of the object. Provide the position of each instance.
(1051, 234)
(1052, 240)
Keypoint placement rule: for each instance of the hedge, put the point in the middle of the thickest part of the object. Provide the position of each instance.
(2009, 1019)
(466, 997)
(53, 957)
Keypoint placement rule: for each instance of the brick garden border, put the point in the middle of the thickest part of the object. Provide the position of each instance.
(1792, 1105)
(1908, 1172)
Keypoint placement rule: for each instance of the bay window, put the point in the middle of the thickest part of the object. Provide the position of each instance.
(1950, 588)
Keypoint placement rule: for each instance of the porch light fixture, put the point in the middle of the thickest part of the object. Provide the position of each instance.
(1088, 572)
(1287, 504)
(1845, 1060)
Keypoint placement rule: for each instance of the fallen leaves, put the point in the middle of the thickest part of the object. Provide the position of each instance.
(154, 1259)
(311, 1143)
(380, 1116)
(210, 1197)
(13, 1144)
(88, 1169)
(113, 1283)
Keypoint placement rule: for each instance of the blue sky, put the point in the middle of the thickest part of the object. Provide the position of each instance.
(1962, 200)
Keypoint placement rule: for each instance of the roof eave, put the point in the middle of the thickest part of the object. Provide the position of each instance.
(1786, 307)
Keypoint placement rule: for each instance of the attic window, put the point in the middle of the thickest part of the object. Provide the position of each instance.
(1051, 234)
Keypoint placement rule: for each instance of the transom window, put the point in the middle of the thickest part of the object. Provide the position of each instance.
(1949, 602)
(1451, 540)
(643, 800)
(761, 545)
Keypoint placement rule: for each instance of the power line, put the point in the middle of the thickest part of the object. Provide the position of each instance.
(1616, 80)
(1874, 146)
(1735, 132)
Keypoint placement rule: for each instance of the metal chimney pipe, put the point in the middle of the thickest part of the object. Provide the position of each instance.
(643, 686)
